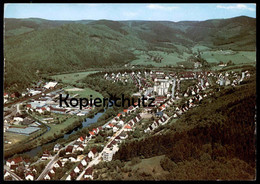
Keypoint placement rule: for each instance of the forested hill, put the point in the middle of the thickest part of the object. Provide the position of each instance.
(217, 134)
(53, 46)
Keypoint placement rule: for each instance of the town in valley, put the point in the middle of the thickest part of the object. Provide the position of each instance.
(202, 85)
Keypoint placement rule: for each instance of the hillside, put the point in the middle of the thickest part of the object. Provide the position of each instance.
(215, 141)
(54, 46)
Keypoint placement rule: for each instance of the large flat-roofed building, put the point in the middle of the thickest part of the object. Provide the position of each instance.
(24, 131)
(50, 85)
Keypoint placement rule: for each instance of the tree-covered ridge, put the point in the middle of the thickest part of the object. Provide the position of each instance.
(58, 46)
(220, 131)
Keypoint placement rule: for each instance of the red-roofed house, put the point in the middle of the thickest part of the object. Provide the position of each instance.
(53, 170)
(91, 133)
(80, 148)
(14, 161)
(81, 139)
(92, 153)
(110, 125)
(58, 164)
(69, 150)
(49, 176)
(128, 128)
(95, 130)
(131, 108)
(72, 175)
(29, 176)
(78, 168)
(89, 173)
(28, 106)
(13, 167)
(46, 154)
(85, 161)
(125, 112)
(5, 95)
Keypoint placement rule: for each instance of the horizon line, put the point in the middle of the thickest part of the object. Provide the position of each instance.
(126, 20)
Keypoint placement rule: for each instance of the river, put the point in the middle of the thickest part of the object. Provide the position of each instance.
(88, 121)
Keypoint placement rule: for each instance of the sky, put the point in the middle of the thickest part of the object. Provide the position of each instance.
(116, 11)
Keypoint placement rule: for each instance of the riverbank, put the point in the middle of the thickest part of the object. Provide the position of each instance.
(53, 134)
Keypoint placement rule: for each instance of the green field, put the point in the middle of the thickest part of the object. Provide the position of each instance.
(71, 78)
(67, 120)
(237, 57)
(85, 93)
(168, 58)
(14, 138)
(211, 55)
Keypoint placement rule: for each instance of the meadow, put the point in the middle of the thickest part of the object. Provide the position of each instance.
(209, 54)
(171, 58)
(71, 78)
(84, 93)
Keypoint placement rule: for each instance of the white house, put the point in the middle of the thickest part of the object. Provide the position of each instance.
(78, 168)
(88, 173)
(57, 147)
(120, 123)
(92, 153)
(85, 161)
(46, 155)
(123, 135)
(73, 158)
(49, 176)
(80, 148)
(29, 176)
(53, 170)
(115, 129)
(58, 164)
(18, 119)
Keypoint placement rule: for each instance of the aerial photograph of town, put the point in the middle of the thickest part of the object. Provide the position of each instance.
(147, 91)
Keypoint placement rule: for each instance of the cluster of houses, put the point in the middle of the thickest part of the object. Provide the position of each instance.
(51, 174)
(231, 78)
(39, 88)
(82, 164)
(157, 123)
(78, 146)
(108, 151)
(112, 148)
(153, 84)
(138, 78)
(71, 155)
(18, 165)
(8, 97)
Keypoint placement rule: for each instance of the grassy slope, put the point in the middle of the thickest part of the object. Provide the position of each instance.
(72, 77)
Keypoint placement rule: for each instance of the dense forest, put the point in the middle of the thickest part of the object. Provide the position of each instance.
(50, 47)
(219, 132)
